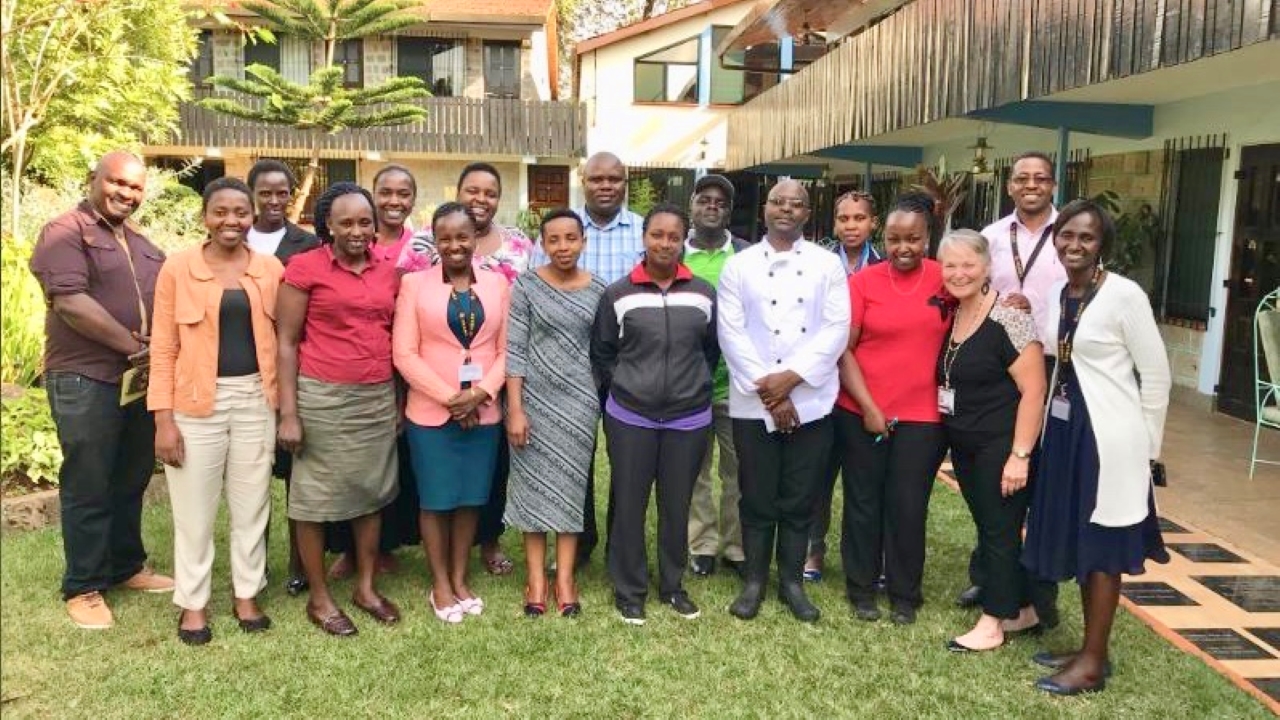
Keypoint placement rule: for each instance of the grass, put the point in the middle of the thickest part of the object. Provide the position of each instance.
(502, 665)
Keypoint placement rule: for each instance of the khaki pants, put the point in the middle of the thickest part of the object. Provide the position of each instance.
(712, 533)
(233, 447)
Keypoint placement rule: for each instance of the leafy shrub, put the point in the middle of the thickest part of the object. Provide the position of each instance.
(22, 335)
(30, 455)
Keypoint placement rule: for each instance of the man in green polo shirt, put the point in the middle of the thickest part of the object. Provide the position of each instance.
(708, 246)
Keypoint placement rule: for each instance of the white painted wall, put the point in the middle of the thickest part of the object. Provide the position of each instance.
(656, 134)
(1249, 116)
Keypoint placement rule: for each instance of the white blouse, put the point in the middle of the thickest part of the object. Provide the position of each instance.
(1117, 342)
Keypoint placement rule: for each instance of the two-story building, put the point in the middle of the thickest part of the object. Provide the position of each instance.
(1168, 105)
(657, 96)
(490, 66)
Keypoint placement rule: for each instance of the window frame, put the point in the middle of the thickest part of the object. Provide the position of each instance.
(455, 81)
(490, 91)
(696, 88)
(342, 57)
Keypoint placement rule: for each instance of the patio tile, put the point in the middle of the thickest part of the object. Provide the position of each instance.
(1255, 594)
(1225, 644)
(1154, 593)
(1205, 553)
(1270, 686)
(1270, 636)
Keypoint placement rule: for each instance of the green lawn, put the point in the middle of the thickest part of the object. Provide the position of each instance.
(502, 665)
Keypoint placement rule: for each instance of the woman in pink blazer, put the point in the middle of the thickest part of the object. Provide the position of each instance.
(449, 342)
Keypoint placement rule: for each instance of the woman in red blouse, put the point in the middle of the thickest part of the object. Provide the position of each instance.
(887, 416)
(338, 409)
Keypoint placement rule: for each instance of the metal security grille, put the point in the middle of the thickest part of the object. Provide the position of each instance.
(1189, 198)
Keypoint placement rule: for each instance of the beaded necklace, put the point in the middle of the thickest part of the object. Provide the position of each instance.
(1067, 325)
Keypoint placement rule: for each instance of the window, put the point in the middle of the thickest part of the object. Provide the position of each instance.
(202, 64)
(669, 75)
(439, 63)
(350, 55)
(262, 53)
(732, 87)
(502, 70)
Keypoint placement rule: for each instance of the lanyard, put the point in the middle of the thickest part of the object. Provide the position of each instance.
(466, 318)
(1018, 267)
(123, 239)
(1067, 325)
(952, 348)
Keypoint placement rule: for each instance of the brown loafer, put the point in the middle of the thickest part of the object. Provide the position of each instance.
(384, 611)
(337, 624)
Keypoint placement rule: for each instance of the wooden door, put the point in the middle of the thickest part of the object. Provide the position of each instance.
(548, 187)
(1254, 272)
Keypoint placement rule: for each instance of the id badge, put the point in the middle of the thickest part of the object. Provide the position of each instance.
(946, 401)
(470, 372)
(1060, 408)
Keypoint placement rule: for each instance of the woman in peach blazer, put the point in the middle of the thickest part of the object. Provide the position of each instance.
(449, 342)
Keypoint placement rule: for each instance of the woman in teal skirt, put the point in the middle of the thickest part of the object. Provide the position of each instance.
(449, 342)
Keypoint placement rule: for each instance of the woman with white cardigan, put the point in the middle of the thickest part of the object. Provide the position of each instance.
(1093, 513)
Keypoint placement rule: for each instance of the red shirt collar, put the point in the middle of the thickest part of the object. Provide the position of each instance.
(640, 274)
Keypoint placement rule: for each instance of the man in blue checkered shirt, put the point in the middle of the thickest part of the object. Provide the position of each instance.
(614, 237)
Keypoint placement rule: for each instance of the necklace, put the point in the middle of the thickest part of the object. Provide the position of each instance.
(953, 346)
(894, 283)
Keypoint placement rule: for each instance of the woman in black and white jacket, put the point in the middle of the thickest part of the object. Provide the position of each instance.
(653, 351)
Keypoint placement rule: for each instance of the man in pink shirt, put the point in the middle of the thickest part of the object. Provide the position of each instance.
(1024, 269)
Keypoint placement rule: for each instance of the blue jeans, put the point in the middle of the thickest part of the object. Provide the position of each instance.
(108, 455)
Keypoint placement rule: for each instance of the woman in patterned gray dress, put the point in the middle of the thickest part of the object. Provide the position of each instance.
(552, 408)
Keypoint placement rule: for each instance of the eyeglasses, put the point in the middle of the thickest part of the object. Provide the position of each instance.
(793, 203)
(1025, 180)
(709, 202)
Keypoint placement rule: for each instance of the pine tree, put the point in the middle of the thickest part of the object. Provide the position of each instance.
(323, 106)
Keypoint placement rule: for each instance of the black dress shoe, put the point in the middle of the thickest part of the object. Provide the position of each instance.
(702, 565)
(792, 594)
(737, 566)
(1057, 661)
(253, 625)
(903, 615)
(866, 610)
(956, 646)
(1053, 687)
(971, 597)
(296, 585)
(199, 636)
(1031, 630)
(747, 605)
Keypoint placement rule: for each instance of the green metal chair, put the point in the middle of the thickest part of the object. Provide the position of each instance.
(1266, 371)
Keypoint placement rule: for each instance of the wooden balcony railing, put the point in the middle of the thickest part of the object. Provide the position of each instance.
(462, 126)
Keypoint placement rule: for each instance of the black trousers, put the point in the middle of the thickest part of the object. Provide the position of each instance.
(108, 456)
(490, 526)
(820, 521)
(887, 486)
(637, 458)
(979, 459)
(780, 475)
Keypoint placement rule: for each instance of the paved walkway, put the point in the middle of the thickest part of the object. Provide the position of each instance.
(1219, 596)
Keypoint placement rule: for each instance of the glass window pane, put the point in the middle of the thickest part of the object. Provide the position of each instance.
(262, 53)
(682, 83)
(650, 80)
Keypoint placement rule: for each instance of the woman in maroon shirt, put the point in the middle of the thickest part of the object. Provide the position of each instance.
(887, 416)
(338, 410)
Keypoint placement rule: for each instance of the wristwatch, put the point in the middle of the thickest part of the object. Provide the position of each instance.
(1020, 454)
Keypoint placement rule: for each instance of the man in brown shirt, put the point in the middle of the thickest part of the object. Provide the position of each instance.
(99, 275)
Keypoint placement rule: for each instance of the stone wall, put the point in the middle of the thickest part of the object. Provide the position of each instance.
(473, 80)
(379, 60)
(1136, 177)
(228, 54)
(1184, 346)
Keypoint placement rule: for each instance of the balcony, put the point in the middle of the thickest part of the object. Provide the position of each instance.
(454, 126)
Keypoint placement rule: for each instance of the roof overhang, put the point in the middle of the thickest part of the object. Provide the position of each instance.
(771, 20)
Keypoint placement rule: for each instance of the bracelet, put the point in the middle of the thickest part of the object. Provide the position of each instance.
(1020, 454)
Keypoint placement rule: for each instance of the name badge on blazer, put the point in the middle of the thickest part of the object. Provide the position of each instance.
(470, 372)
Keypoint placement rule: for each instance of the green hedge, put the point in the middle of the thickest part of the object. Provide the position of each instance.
(29, 454)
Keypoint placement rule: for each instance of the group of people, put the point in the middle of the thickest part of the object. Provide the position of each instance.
(437, 386)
